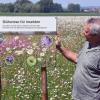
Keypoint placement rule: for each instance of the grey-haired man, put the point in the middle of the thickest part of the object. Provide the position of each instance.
(86, 79)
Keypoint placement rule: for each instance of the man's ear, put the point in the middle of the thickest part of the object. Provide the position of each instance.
(87, 28)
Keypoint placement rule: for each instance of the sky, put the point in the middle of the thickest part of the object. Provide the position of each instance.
(83, 3)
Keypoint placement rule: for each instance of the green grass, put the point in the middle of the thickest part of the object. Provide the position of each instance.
(49, 14)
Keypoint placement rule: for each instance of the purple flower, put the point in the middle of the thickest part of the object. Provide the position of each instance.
(9, 60)
(21, 42)
(46, 41)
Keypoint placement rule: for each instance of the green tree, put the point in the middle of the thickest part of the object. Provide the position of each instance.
(77, 8)
(9, 7)
(49, 6)
(22, 1)
(1, 7)
(26, 6)
(36, 8)
(45, 5)
(23, 6)
(73, 7)
(56, 8)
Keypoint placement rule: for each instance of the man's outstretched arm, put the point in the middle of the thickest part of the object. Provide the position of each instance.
(69, 54)
(66, 52)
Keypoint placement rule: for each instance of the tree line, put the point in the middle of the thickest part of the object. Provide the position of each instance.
(26, 6)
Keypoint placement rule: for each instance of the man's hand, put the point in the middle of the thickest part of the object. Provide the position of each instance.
(65, 51)
(58, 42)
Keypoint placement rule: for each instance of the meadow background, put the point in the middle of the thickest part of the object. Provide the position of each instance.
(23, 82)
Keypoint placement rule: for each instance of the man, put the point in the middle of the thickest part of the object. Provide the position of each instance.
(86, 79)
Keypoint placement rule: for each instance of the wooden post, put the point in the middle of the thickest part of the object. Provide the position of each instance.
(44, 83)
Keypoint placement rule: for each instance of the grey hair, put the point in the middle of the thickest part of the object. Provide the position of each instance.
(95, 29)
(93, 20)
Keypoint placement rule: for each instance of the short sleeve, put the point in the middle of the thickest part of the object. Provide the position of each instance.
(93, 60)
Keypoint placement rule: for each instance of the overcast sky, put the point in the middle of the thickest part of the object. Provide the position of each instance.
(83, 3)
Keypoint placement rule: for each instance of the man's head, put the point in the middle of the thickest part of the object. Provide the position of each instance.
(92, 30)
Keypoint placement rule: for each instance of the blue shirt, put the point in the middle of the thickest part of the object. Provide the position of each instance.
(86, 80)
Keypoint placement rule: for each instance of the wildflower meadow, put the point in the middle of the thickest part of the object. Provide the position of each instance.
(22, 56)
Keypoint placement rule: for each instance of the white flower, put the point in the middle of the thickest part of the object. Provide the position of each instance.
(55, 96)
(19, 52)
(65, 82)
(54, 61)
(16, 38)
(29, 47)
(29, 38)
(55, 69)
(63, 94)
(44, 49)
(7, 49)
(34, 44)
(39, 59)
(42, 54)
(51, 99)
(23, 49)
(29, 51)
(56, 86)
(52, 51)
(51, 56)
